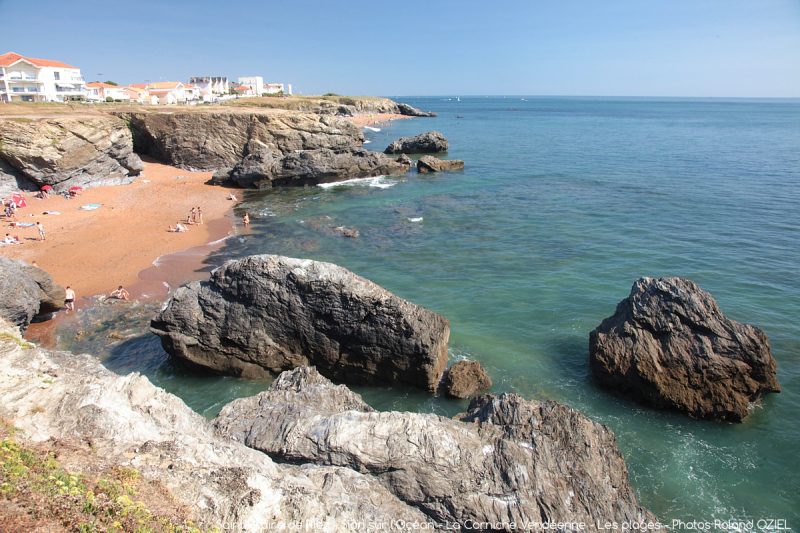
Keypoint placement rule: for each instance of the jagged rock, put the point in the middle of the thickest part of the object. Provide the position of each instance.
(12, 180)
(271, 313)
(668, 344)
(425, 143)
(506, 461)
(68, 151)
(465, 379)
(26, 292)
(404, 160)
(128, 422)
(344, 231)
(428, 163)
(264, 169)
(405, 109)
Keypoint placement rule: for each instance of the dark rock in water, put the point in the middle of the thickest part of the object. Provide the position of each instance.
(263, 168)
(506, 461)
(429, 142)
(669, 345)
(271, 313)
(428, 163)
(404, 160)
(405, 109)
(344, 231)
(26, 292)
(465, 379)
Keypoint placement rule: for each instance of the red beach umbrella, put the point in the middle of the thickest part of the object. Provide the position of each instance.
(19, 200)
(47, 187)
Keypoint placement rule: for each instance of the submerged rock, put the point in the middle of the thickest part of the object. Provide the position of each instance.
(465, 379)
(67, 151)
(125, 421)
(272, 313)
(425, 143)
(428, 163)
(506, 461)
(669, 345)
(27, 292)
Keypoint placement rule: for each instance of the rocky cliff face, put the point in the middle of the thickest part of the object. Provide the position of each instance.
(67, 151)
(26, 292)
(334, 105)
(272, 313)
(668, 344)
(507, 461)
(125, 420)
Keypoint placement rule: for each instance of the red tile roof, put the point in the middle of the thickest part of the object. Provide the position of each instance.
(101, 85)
(9, 58)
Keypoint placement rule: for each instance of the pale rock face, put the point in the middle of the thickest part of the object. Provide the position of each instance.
(506, 460)
(669, 345)
(132, 423)
(26, 291)
(271, 313)
(67, 151)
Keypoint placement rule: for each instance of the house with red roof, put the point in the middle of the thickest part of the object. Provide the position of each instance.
(99, 92)
(31, 79)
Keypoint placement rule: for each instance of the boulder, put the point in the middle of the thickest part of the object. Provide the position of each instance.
(126, 422)
(270, 313)
(26, 292)
(428, 163)
(429, 142)
(669, 345)
(465, 379)
(67, 151)
(506, 461)
(405, 109)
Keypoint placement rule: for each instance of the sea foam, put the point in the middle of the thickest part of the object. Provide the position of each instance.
(375, 181)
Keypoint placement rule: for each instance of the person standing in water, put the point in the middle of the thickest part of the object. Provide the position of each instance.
(246, 219)
(69, 299)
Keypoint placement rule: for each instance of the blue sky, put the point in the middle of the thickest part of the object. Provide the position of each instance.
(431, 47)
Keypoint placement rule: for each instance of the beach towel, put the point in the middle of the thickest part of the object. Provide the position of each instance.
(24, 224)
(90, 207)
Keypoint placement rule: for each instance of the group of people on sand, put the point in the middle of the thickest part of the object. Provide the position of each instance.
(195, 217)
(120, 293)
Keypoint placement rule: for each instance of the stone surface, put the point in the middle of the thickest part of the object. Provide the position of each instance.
(428, 163)
(12, 180)
(429, 142)
(465, 379)
(272, 313)
(669, 345)
(127, 421)
(68, 151)
(26, 292)
(405, 109)
(506, 461)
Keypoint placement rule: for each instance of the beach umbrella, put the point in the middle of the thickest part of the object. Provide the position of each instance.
(19, 200)
(47, 187)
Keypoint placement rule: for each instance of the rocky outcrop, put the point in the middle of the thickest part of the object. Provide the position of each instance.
(405, 109)
(669, 345)
(334, 105)
(428, 163)
(26, 292)
(465, 379)
(430, 142)
(12, 180)
(126, 421)
(67, 151)
(272, 313)
(507, 461)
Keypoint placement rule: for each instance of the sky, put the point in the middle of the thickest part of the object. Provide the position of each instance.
(744, 48)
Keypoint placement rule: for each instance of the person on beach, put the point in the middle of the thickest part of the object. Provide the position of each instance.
(192, 216)
(10, 240)
(120, 294)
(246, 219)
(199, 215)
(179, 228)
(232, 196)
(40, 227)
(69, 298)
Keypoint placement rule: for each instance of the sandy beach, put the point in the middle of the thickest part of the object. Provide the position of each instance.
(94, 251)
(375, 118)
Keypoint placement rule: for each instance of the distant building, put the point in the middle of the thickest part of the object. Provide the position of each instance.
(256, 84)
(29, 79)
(274, 88)
(137, 94)
(208, 87)
(98, 92)
(166, 92)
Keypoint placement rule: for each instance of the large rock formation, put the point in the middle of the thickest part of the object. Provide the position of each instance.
(272, 313)
(428, 163)
(260, 149)
(429, 142)
(127, 422)
(668, 344)
(507, 461)
(466, 378)
(333, 105)
(26, 292)
(67, 151)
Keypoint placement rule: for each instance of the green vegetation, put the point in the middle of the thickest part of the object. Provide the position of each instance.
(25, 345)
(35, 481)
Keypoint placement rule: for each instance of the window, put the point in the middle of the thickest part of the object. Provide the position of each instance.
(57, 75)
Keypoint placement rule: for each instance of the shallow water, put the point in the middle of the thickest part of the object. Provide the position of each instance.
(563, 204)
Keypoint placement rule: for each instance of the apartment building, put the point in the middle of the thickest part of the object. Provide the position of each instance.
(30, 79)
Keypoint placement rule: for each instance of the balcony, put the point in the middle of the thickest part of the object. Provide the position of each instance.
(17, 77)
(25, 90)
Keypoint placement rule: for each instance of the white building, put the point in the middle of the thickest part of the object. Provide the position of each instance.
(29, 79)
(256, 84)
(167, 92)
(99, 92)
(210, 87)
(276, 88)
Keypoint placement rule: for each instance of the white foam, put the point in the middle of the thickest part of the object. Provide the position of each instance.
(367, 141)
(219, 241)
(375, 181)
(415, 219)
(267, 212)
(370, 128)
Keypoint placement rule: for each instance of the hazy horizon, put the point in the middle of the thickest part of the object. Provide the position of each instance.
(660, 48)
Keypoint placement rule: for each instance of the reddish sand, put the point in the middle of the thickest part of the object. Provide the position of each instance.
(95, 251)
(375, 118)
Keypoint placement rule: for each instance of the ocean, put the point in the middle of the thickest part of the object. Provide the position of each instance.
(563, 203)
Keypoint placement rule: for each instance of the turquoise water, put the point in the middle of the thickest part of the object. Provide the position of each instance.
(563, 204)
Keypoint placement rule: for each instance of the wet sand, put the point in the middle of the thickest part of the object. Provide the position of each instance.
(117, 244)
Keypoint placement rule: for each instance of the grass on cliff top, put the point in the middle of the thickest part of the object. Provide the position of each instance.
(301, 103)
(38, 493)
